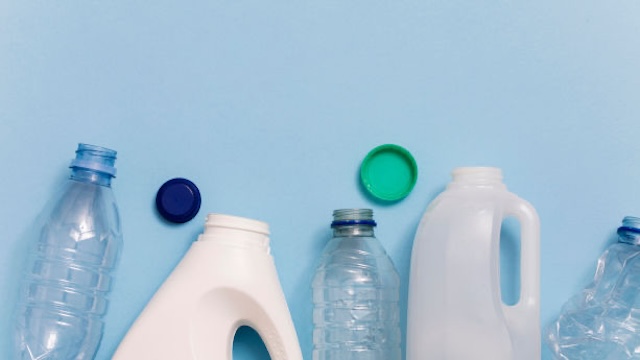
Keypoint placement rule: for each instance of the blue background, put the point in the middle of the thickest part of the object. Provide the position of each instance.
(269, 106)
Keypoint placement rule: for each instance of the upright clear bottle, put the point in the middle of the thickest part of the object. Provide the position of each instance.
(69, 271)
(355, 294)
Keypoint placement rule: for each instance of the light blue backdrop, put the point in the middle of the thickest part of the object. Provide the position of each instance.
(269, 106)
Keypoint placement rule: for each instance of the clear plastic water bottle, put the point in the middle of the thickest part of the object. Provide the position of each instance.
(69, 273)
(355, 294)
(603, 321)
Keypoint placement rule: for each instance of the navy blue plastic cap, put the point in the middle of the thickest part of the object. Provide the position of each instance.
(178, 200)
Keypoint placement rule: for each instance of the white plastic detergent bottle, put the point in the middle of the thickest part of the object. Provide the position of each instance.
(226, 280)
(455, 309)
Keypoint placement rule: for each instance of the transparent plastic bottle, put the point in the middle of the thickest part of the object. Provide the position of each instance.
(603, 321)
(355, 294)
(69, 271)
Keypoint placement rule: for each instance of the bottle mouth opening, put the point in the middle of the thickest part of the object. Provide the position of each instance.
(95, 158)
(629, 232)
(631, 222)
(344, 217)
(236, 222)
(96, 150)
(481, 174)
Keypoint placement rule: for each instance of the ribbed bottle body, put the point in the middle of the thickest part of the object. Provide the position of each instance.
(69, 274)
(355, 297)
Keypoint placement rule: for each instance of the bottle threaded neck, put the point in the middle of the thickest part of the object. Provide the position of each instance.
(93, 164)
(479, 173)
(236, 222)
(236, 231)
(477, 176)
(629, 232)
(346, 217)
(95, 158)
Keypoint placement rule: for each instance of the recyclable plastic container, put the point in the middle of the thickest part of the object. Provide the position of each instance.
(226, 280)
(355, 294)
(455, 309)
(69, 274)
(603, 321)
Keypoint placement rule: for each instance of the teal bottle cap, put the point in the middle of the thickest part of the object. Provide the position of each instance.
(389, 172)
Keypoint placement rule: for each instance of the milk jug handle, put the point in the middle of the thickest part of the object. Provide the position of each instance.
(529, 259)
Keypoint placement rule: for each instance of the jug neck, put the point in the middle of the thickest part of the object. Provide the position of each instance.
(237, 232)
(477, 177)
(629, 232)
(353, 223)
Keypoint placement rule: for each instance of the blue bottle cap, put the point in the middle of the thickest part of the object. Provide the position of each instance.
(178, 200)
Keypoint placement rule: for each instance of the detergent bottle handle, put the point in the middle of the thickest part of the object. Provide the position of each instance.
(520, 315)
(270, 318)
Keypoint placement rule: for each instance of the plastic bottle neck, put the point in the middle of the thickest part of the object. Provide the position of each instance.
(353, 230)
(478, 177)
(236, 231)
(93, 164)
(629, 232)
(89, 176)
(353, 222)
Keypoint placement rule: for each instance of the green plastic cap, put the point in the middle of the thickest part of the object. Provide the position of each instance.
(389, 172)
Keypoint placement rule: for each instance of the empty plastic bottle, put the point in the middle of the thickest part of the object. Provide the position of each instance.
(226, 280)
(355, 294)
(603, 321)
(455, 309)
(69, 273)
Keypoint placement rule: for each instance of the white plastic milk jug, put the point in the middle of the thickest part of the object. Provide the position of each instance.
(226, 280)
(455, 306)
